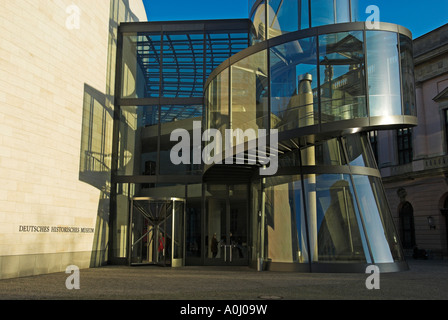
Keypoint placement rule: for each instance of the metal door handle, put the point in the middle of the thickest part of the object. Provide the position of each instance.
(225, 252)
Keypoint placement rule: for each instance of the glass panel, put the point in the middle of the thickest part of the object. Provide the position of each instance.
(294, 98)
(333, 220)
(220, 46)
(138, 141)
(285, 220)
(322, 12)
(358, 151)
(183, 65)
(407, 75)
(342, 76)
(283, 17)
(342, 11)
(218, 104)
(258, 28)
(174, 117)
(383, 238)
(328, 153)
(121, 223)
(193, 246)
(178, 234)
(304, 22)
(356, 14)
(216, 236)
(141, 66)
(249, 93)
(238, 195)
(384, 73)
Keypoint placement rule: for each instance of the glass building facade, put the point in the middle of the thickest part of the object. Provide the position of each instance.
(314, 75)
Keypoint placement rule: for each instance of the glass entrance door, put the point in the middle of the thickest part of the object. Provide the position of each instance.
(227, 229)
(157, 231)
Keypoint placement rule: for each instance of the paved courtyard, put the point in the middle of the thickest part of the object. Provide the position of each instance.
(427, 280)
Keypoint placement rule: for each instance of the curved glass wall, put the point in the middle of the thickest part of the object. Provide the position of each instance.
(326, 82)
(249, 93)
(286, 16)
(384, 73)
(327, 213)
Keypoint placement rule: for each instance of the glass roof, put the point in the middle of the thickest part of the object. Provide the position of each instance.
(176, 65)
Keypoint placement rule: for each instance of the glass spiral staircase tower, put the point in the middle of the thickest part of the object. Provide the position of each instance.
(323, 80)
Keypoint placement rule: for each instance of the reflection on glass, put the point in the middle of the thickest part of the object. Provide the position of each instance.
(249, 93)
(294, 98)
(304, 22)
(121, 221)
(342, 11)
(173, 117)
(285, 220)
(139, 128)
(325, 12)
(342, 76)
(333, 219)
(380, 229)
(141, 65)
(182, 65)
(220, 45)
(217, 104)
(258, 28)
(178, 233)
(383, 73)
(322, 12)
(328, 153)
(355, 13)
(359, 151)
(407, 75)
(283, 17)
(193, 232)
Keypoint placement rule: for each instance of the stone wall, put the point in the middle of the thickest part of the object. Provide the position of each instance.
(57, 60)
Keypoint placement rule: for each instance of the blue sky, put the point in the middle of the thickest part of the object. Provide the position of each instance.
(420, 16)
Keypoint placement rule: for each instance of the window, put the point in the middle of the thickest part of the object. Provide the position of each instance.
(404, 144)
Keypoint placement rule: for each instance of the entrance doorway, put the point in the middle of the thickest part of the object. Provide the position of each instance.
(157, 232)
(227, 224)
